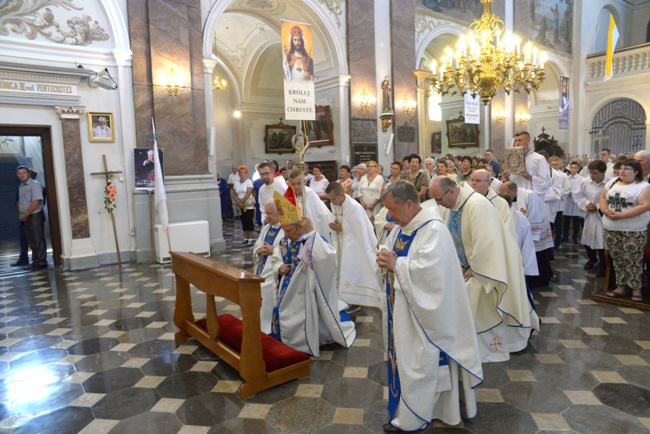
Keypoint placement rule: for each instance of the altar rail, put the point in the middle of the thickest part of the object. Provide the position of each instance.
(262, 361)
(627, 61)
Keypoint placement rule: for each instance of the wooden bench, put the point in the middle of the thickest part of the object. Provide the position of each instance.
(262, 361)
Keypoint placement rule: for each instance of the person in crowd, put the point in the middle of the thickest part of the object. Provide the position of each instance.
(492, 160)
(395, 174)
(606, 156)
(271, 184)
(587, 196)
(643, 157)
(465, 172)
(356, 181)
(429, 324)
(492, 267)
(430, 166)
(345, 180)
(265, 262)
(560, 180)
(573, 215)
(537, 176)
(444, 170)
(306, 314)
(416, 177)
(307, 176)
(314, 208)
(370, 188)
(232, 178)
(223, 196)
(243, 189)
(275, 168)
(319, 183)
(625, 203)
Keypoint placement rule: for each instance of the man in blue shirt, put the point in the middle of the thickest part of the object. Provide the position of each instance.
(30, 211)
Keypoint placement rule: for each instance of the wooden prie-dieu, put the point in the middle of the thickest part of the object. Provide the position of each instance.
(262, 361)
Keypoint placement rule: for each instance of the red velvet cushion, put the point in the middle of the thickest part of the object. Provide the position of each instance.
(276, 354)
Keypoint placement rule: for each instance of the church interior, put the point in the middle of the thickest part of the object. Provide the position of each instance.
(88, 344)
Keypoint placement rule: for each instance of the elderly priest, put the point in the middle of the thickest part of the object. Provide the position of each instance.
(431, 339)
(306, 312)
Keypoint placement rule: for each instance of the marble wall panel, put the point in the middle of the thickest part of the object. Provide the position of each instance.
(361, 52)
(75, 178)
(404, 83)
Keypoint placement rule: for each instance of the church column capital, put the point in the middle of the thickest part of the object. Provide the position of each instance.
(122, 57)
(209, 65)
(423, 77)
(70, 112)
(344, 80)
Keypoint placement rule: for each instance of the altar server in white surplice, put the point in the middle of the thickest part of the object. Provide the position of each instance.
(306, 314)
(532, 207)
(430, 329)
(537, 176)
(265, 261)
(356, 251)
(524, 238)
(492, 267)
(315, 208)
(383, 225)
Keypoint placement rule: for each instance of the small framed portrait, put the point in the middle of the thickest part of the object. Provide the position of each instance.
(436, 142)
(100, 127)
(277, 139)
(462, 135)
(320, 130)
(144, 165)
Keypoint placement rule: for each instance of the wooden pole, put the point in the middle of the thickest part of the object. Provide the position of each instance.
(107, 174)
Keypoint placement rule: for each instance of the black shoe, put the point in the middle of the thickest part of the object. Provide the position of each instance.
(564, 239)
(590, 264)
(34, 267)
(576, 240)
(600, 272)
(20, 264)
(557, 245)
(392, 429)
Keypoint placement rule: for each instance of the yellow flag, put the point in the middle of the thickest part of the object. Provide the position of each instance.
(612, 39)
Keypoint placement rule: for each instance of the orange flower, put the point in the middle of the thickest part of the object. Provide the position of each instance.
(111, 194)
(110, 187)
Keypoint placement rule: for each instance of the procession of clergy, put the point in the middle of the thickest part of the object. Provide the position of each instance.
(443, 314)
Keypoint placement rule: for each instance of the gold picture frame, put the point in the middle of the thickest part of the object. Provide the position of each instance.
(320, 130)
(461, 134)
(101, 127)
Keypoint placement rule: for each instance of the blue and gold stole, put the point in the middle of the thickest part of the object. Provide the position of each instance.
(269, 238)
(289, 250)
(454, 226)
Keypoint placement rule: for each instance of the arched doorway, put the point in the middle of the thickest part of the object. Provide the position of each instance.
(619, 126)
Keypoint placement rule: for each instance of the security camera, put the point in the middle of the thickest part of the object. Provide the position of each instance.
(103, 80)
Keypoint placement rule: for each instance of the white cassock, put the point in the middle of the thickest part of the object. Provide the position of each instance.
(497, 290)
(496, 185)
(501, 205)
(553, 196)
(266, 193)
(431, 316)
(317, 212)
(380, 225)
(100, 131)
(356, 251)
(566, 191)
(263, 267)
(525, 241)
(538, 167)
(571, 208)
(306, 313)
(592, 231)
(529, 204)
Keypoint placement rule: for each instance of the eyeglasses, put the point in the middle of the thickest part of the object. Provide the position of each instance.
(441, 197)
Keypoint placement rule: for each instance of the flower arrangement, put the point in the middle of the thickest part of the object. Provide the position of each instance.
(109, 195)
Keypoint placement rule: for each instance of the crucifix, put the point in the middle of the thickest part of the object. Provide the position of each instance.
(300, 143)
(600, 137)
(108, 174)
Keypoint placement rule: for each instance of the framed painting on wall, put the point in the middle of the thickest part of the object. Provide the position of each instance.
(277, 139)
(100, 127)
(462, 135)
(320, 130)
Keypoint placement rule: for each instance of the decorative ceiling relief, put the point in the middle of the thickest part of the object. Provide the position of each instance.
(34, 18)
(334, 6)
(261, 4)
(426, 23)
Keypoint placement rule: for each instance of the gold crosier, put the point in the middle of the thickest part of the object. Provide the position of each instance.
(301, 147)
(390, 279)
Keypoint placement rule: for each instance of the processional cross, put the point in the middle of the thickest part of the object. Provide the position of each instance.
(108, 174)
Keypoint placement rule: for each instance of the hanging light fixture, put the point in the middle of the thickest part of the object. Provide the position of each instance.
(487, 59)
(219, 83)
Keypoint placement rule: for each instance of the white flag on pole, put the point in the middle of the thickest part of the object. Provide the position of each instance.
(159, 184)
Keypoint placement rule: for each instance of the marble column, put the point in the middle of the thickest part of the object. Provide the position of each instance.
(74, 169)
(423, 77)
(404, 62)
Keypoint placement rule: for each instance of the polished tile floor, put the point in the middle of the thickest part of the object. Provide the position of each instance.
(94, 352)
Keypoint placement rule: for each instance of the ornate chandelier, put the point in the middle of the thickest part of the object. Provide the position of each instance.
(488, 59)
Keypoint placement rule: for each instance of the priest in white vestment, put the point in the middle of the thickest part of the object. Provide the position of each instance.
(265, 261)
(524, 238)
(492, 267)
(537, 175)
(383, 225)
(532, 207)
(431, 341)
(315, 208)
(481, 181)
(306, 314)
(356, 251)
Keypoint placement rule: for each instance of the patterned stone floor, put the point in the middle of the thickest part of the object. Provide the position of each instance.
(93, 352)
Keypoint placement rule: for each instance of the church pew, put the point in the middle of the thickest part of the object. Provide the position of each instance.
(262, 361)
